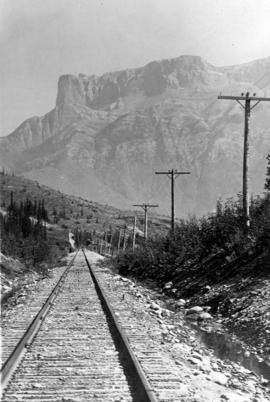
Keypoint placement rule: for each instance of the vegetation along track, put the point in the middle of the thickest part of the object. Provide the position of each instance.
(74, 349)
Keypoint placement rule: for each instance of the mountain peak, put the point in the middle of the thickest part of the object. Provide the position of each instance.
(109, 133)
(70, 90)
(150, 80)
(155, 78)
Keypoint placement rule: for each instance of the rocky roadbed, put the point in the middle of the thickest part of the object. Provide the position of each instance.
(202, 376)
(17, 282)
(20, 305)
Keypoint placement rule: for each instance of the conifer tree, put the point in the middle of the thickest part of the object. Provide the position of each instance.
(26, 226)
(11, 204)
(44, 213)
(267, 181)
(35, 208)
(39, 211)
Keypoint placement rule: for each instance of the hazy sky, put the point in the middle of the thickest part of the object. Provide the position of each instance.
(42, 39)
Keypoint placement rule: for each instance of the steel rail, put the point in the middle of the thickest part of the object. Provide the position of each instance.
(15, 357)
(145, 391)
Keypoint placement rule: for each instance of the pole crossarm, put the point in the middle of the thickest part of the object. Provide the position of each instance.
(178, 173)
(170, 172)
(252, 98)
(145, 205)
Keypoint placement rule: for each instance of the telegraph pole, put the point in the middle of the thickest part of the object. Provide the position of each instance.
(134, 234)
(124, 240)
(119, 241)
(110, 244)
(100, 246)
(247, 107)
(172, 174)
(105, 241)
(145, 207)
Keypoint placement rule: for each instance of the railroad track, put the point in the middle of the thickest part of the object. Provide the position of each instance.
(74, 350)
(140, 329)
(13, 330)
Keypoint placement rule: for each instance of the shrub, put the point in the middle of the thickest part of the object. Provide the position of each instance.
(207, 245)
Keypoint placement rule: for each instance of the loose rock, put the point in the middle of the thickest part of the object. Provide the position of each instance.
(219, 378)
(195, 309)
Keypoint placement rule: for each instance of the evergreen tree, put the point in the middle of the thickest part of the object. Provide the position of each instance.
(62, 213)
(26, 226)
(39, 211)
(267, 181)
(28, 207)
(44, 213)
(11, 203)
(35, 208)
(44, 235)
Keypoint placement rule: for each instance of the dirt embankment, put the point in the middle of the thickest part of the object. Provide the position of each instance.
(238, 296)
(233, 294)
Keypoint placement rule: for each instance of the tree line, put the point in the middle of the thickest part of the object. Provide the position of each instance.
(24, 232)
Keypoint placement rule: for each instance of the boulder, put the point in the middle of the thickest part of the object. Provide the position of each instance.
(194, 360)
(165, 312)
(218, 378)
(180, 303)
(194, 310)
(192, 316)
(155, 306)
(204, 316)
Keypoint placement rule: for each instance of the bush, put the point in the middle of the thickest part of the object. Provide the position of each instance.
(207, 245)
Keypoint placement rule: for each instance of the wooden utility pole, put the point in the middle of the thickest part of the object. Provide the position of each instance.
(124, 240)
(103, 237)
(101, 244)
(106, 243)
(134, 234)
(119, 241)
(145, 207)
(247, 107)
(172, 174)
(110, 244)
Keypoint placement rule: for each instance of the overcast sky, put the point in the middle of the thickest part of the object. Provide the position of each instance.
(42, 39)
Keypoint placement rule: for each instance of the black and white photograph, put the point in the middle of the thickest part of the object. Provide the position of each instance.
(135, 200)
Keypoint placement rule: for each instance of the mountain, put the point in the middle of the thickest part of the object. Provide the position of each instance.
(107, 135)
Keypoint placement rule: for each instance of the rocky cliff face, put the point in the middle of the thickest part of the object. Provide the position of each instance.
(107, 135)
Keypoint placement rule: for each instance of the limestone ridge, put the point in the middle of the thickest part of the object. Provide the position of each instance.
(107, 135)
